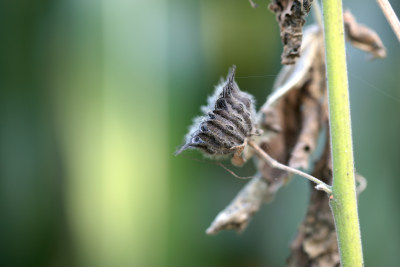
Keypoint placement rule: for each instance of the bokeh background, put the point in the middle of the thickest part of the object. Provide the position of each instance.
(96, 95)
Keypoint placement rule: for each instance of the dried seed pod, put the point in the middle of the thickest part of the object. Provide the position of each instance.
(229, 118)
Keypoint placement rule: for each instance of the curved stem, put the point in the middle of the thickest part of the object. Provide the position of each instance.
(390, 16)
(344, 201)
(274, 163)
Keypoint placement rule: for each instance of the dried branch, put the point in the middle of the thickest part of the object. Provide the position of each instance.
(390, 16)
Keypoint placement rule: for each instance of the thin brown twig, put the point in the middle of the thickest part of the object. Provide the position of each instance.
(390, 16)
(232, 172)
(222, 166)
(320, 185)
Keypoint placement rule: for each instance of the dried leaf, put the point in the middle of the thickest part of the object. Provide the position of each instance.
(316, 243)
(285, 113)
(312, 114)
(289, 122)
(294, 76)
(291, 116)
(238, 213)
(290, 15)
(307, 140)
(363, 37)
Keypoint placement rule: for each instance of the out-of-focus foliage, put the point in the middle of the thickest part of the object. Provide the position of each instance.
(95, 96)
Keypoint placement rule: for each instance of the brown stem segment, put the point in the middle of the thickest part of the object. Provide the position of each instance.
(263, 155)
(390, 16)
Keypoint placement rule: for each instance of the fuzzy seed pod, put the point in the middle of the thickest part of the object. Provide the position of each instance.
(229, 118)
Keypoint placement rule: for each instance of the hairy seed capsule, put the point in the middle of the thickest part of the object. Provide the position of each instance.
(229, 118)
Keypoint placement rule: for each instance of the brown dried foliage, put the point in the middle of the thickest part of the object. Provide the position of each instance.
(240, 211)
(305, 108)
(290, 15)
(291, 121)
(363, 37)
(316, 244)
(291, 126)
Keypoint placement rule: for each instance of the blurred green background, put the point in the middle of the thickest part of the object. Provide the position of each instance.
(96, 95)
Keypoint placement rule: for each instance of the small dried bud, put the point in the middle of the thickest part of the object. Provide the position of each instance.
(229, 118)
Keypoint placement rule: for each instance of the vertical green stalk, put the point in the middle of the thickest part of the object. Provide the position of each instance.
(344, 202)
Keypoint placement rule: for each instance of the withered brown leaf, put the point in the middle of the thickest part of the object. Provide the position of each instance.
(290, 15)
(239, 212)
(291, 120)
(316, 243)
(362, 37)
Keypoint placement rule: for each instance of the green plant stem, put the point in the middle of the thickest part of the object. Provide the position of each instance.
(344, 201)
